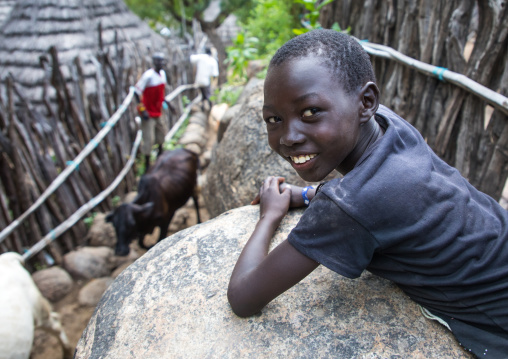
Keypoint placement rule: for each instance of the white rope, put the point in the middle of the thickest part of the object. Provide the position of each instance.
(492, 97)
(181, 120)
(72, 165)
(69, 222)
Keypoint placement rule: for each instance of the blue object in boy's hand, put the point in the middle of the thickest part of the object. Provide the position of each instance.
(164, 105)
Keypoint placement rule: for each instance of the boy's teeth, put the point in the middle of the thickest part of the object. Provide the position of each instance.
(302, 158)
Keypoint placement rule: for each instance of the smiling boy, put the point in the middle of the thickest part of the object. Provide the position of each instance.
(399, 212)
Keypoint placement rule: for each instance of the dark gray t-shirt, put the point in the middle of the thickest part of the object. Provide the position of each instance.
(404, 214)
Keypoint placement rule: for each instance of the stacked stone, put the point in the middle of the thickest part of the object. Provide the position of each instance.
(194, 138)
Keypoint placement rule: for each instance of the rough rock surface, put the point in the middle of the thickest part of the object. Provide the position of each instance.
(54, 283)
(243, 159)
(171, 303)
(92, 292)
(89, 262)
(224, 122)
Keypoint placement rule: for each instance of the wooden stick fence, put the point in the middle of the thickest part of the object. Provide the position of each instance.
(83, 210)
(72, 166)
(495, 99)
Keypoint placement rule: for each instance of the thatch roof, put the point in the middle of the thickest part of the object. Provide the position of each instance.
(33, 26)
(5, 9)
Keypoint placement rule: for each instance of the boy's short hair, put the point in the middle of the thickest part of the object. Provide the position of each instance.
(341, 53)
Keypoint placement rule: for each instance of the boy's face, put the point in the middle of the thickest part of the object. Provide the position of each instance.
(311, 121)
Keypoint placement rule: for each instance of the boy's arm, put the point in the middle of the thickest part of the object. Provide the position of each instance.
(259, 276)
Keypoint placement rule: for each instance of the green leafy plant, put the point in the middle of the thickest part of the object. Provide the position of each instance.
(271, 22)
(227, 94)
(39, 266)
(311, 17)
(89, 219)
(115, 201)
(239, 54)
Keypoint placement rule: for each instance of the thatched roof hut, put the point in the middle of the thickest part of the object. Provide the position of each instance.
(71, 26)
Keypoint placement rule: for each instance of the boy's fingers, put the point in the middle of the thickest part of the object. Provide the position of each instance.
(287, 191)
(256, 199)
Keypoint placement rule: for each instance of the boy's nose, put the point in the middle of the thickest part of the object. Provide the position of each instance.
(292, 136)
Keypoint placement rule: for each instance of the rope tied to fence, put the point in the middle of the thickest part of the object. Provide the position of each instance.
(71, 166)
(76, 216)
(495, 99)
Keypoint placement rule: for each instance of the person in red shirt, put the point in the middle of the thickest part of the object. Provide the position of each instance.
(152, 87)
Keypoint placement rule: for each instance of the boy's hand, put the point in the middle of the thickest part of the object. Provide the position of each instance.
(296, 194)
(274, 202)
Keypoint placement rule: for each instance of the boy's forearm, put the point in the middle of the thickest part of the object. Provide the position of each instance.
(243, 279)
(257, 246)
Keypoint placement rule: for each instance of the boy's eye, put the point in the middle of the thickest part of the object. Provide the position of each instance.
(272, 119)
(309, 112)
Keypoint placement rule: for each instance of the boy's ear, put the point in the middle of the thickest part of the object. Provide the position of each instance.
(369, 97)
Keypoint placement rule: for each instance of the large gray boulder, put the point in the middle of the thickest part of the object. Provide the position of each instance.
(243, 159)
(171, 303)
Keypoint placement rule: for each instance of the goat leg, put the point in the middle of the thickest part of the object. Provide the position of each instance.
(196, 205)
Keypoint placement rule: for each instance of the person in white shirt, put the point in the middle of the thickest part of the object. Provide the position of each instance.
(206, 67)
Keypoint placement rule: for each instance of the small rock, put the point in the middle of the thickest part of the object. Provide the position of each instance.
(218, 111)
(194, 147)
(91, 293)
(129, 197)
(198, 118)
(89, 262)
(54, 283)
(101, 233)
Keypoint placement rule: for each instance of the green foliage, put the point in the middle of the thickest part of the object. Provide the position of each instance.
(38, 266)
(239, 55)
(311, 17)
(89, 219)
(271, 22)
(151, 11)
(115, 201)
(173, 142)
(227, 94)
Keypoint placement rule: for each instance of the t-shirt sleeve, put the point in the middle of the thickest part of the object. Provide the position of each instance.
(328, 235)
(215, 68)
(141, 84)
